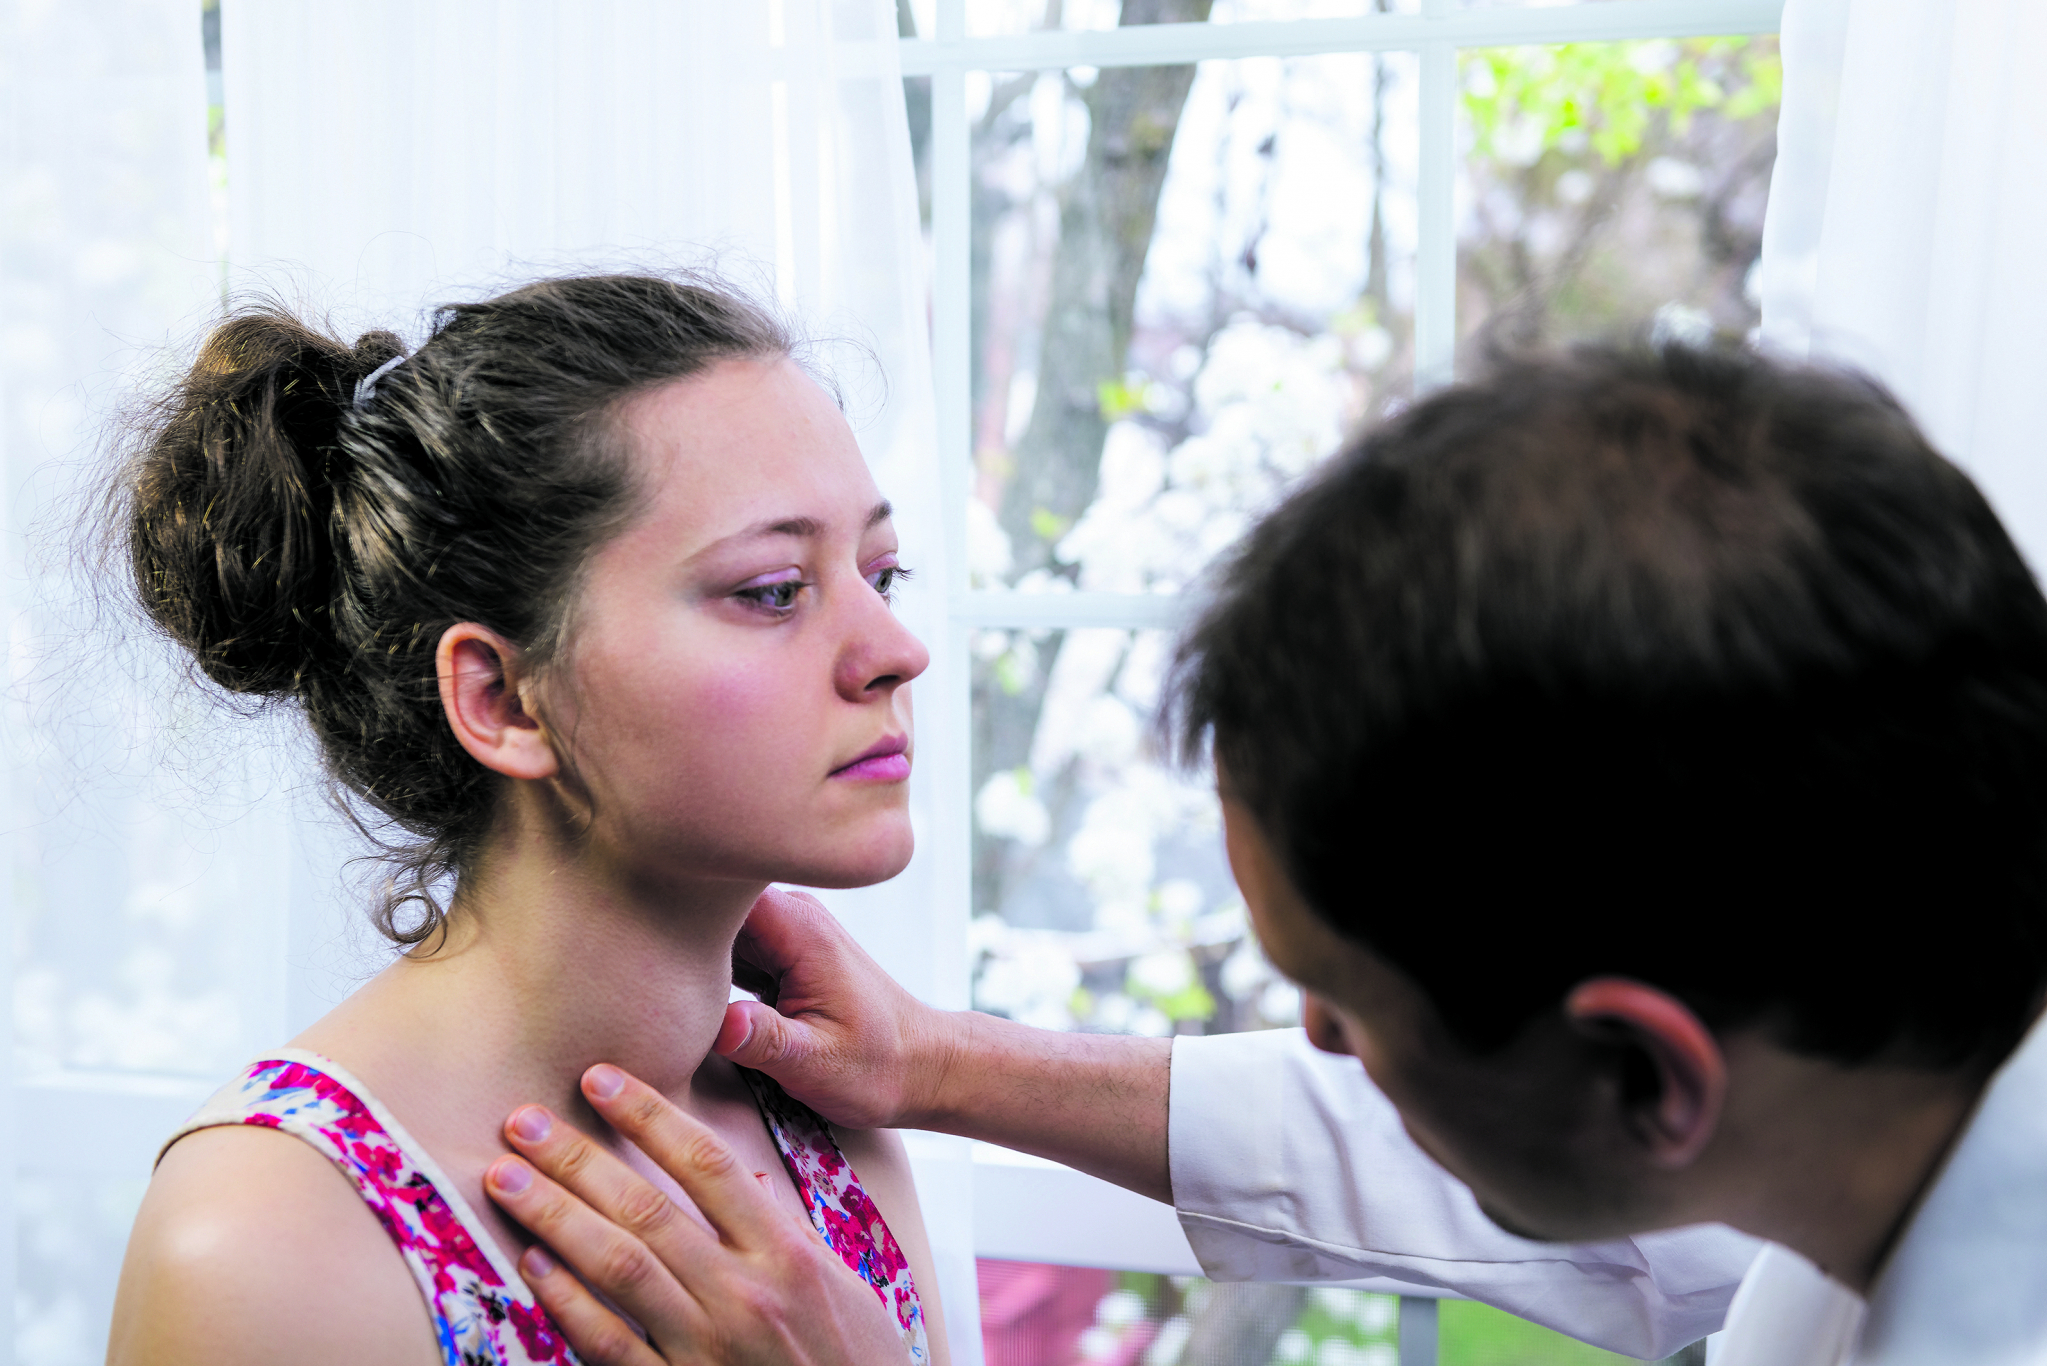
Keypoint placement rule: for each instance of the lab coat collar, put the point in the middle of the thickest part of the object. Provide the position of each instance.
(1967, 1282)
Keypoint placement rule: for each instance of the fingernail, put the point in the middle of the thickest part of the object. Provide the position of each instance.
(511, 1176)
(532, 1124)
(604, 1081)
(536, 1264)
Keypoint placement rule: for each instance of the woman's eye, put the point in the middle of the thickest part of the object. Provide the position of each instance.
(887, 579)
(778, 597)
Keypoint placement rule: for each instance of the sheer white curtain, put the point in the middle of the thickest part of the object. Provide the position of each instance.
(174, 892)
(1906, 222)
(143, 887)
(385, 156)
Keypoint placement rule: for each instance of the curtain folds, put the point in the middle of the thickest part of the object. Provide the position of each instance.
(139, 883)
(1905, 221)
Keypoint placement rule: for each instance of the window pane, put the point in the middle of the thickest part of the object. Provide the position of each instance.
(1103, 898)
(1607, 184)
(1188, 283)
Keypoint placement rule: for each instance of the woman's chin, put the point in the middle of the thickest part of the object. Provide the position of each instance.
(876, 861)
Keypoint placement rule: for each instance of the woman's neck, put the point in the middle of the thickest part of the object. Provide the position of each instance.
(550, 962)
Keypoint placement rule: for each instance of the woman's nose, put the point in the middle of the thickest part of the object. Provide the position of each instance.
(880, 653)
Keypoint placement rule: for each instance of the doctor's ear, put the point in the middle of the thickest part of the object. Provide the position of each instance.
(1677, 1085)
(485, 696)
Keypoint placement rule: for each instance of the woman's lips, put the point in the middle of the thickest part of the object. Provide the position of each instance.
(886, 762)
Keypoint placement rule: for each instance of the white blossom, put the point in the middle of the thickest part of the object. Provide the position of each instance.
(1007, 809)
(989, 555)
(1120, 1309)
(1165, 973)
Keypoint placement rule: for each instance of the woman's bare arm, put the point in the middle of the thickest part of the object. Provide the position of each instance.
(251, 1249)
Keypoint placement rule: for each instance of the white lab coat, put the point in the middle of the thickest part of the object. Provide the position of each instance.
(1288, 1164)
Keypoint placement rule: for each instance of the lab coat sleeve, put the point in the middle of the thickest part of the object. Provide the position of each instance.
(1288, 1164)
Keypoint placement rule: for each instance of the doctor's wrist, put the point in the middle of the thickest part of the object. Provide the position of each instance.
(939, 1075)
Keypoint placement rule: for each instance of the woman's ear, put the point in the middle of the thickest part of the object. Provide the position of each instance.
(1676, 1115)
(482, 695)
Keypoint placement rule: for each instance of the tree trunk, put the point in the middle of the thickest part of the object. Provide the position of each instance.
(1105, 230)
(1239, 1325)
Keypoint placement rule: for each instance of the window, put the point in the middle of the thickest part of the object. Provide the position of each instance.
(1173, 261)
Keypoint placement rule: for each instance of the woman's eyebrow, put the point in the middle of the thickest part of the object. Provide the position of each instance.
(810, 526)
(800, 526)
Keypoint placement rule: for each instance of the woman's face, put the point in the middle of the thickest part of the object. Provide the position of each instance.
(738, 703)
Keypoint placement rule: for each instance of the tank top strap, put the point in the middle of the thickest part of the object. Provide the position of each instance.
(840, 1209)
(483, 1313)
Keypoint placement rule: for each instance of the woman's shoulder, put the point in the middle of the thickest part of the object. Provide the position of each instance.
(251, 1246)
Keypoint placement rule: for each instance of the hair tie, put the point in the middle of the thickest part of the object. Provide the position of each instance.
(366, 387)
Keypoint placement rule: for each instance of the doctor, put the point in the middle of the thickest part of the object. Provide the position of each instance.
(1641, 761)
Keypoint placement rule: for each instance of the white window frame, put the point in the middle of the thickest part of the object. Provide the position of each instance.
(1026, 1209)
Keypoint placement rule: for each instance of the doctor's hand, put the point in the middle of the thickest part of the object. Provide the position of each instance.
(756, 1288)
(840, 1036)
(836, 1031)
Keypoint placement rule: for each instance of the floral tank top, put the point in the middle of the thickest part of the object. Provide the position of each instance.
(482, 1310)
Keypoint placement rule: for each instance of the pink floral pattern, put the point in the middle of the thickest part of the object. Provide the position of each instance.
(839, 1209)
(482, 1312)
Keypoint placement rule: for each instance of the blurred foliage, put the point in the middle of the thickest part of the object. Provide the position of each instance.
(1346, 1325)
(1524, 101)
(1121, 398)
(1191, 1002)
(1473, 1334)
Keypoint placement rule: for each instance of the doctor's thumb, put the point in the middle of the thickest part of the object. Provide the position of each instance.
(757, 1036)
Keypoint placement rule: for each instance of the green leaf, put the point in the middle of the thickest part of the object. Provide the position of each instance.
(1119, 399)
(1192, 1004)
(1048, 525)
(1012, 678)
(1523, 103)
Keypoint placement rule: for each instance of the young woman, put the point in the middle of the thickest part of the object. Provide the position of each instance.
(587, 599)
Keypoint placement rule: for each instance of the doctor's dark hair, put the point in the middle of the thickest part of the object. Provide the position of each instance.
(1676, 665)
(310, 550)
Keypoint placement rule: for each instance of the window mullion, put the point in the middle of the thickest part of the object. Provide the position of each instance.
(948, 714)
(1502, 26)
(1435, 308)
